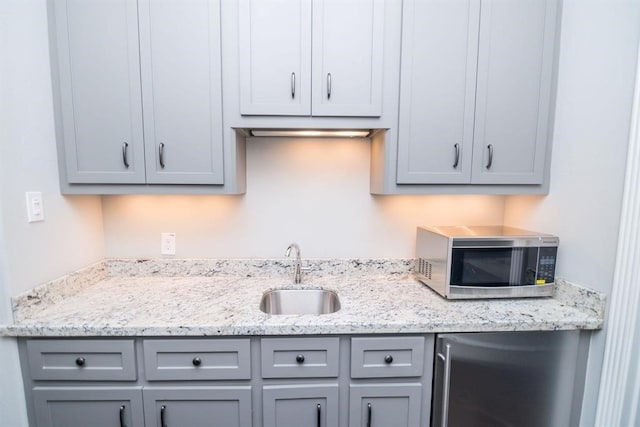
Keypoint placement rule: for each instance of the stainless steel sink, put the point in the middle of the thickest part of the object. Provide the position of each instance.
(300, 301)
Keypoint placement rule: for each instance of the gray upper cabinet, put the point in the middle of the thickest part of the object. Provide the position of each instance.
(439, 56)
(275, 55)
(513, 97)
(476, 102)
(180, 61)
(99, 90)
(138, 91)
(311, 57)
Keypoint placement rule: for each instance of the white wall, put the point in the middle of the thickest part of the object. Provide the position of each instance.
(313, 192)
(595, 91)
(71, 235)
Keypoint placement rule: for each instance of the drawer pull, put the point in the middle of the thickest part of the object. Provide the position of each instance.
(300, 358)
(196, 361)
(122, 424)
(163, 408)
(388, 358)
(80, 361)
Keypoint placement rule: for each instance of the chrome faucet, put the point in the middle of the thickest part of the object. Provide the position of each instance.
(297, 273)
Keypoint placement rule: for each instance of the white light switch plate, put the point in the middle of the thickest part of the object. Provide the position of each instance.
(167, 243)
(35, 206)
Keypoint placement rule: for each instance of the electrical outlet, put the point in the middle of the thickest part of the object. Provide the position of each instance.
(167, 243)
(35, 207)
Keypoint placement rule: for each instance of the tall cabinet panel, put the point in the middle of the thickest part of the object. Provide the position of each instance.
(275, 56)
(181, 87)
(99, 90)
(515, 68)
(347, 57)
(439, 58)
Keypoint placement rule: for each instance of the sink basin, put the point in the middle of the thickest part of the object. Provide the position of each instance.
(300, 301)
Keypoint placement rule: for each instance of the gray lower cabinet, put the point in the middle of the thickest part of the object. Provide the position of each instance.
(315, 381)
(197, 406)
(383, 405)
(313, 405)
(388, 376)
(77, 406)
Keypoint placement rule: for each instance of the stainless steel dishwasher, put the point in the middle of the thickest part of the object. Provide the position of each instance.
(505, 379)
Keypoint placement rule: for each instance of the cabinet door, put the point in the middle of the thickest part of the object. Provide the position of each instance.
(197, 407)
(437, 93)
(347, 57)
(275, 57)
(300, 405)
(82, 407)
(98, 87)
(382, 405)
(180, 62)
(513, 104)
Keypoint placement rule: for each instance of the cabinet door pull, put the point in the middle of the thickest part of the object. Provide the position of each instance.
(368, 414)
(163, 408)
(300, 358)
(196, 361)
(388, 358)
(125, 160)
(446, 381)
(293, 85)
(457, 157)
(122, 424)
(80, 361)
(161, 154)
(490, 159)
(319, 411)
(328, 85)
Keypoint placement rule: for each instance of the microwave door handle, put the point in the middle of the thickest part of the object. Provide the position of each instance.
(446, 383)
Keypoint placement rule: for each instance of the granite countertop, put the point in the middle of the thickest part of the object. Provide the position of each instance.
(221, 297)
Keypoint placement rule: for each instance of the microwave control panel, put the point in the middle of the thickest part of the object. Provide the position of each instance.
(546, 265)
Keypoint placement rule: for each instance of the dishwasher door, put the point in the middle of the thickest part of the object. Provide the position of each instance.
(504, 379)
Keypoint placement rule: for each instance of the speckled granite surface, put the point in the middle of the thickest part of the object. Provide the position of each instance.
(221, 297)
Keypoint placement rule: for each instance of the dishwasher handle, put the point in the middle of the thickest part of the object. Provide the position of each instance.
(446, 384)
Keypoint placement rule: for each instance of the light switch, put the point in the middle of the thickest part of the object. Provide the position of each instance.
(35, 208)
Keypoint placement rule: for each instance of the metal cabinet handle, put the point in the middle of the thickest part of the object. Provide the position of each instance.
(490, 159)
(293, 85)
(457, 158)
(300, 358)
(161, 154)
(196, 361)
(368, 414)
(125, 159)
(163, 408)
(319, 411)
(446, 383)
(388, 358)
(80, 361)
(328, 85)
(122, 424)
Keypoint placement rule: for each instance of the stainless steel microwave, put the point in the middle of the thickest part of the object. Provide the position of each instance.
(461, 262)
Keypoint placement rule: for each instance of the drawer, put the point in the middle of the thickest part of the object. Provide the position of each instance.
(82, 360)
(205, 359)
(379, 357)
(300, 357)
